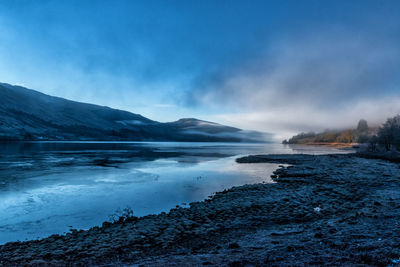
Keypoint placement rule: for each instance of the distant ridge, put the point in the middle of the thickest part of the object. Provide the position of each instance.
(26, 114)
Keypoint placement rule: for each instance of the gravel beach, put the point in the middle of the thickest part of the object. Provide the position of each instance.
(336, 209)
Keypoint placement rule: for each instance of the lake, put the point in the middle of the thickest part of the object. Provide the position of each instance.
(51, 187)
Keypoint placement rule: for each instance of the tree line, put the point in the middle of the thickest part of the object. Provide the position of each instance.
(385, 138)
(388, 136)
(357, 135)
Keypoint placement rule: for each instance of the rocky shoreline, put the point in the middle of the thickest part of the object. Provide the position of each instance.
(322, 210)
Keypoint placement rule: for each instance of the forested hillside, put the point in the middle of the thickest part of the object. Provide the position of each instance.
(360, 134)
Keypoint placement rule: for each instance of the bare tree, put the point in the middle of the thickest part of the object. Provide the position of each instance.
(362, 127)
(362, 131)
(389, 133)
(372, 144)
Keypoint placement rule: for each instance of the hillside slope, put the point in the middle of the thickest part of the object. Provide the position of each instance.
(26, 114)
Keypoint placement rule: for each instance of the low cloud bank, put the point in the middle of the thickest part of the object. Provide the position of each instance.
(310, 82)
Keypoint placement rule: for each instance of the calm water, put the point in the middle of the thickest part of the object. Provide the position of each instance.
(48, 188)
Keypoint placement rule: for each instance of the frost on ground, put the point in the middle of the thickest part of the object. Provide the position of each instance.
(322, 210)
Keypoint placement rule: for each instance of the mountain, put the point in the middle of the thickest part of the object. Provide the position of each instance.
(26, 114)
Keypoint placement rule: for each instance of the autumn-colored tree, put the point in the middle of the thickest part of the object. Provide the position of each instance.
(346, 137)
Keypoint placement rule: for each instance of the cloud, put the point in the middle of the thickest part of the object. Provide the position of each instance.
(286, 66)
(160, 105)
(311, 82)
(287, 121)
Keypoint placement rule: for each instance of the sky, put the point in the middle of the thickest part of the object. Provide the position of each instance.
(275, 66)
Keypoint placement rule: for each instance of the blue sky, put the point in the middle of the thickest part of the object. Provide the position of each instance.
(278, 66)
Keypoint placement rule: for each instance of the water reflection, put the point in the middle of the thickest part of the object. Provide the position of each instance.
(46, 187)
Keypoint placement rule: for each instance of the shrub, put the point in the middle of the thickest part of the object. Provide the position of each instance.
(121, 216)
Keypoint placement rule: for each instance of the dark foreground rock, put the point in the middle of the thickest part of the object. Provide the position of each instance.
(322, 210)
